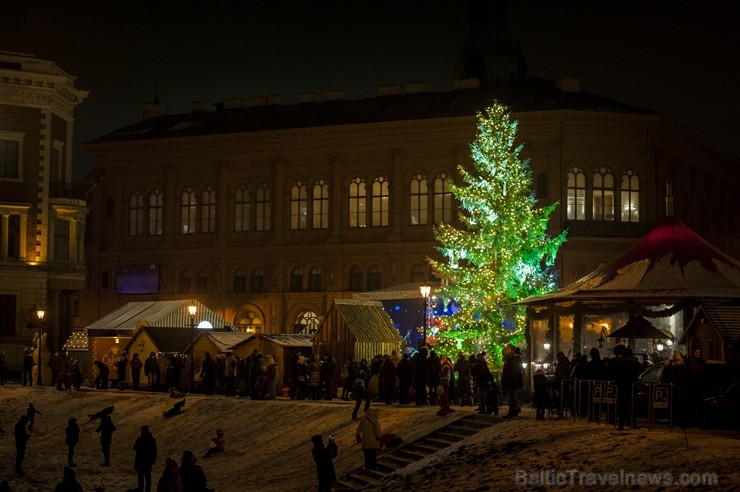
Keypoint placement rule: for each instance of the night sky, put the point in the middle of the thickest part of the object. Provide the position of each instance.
(676, 57)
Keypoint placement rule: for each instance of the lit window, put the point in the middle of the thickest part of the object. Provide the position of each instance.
(156, 208)
(249, 322)
(357, 203)
(630, 196)
(576, 194)
(419, 201)
(136, 214)
(208, 210)
(442, 199)
(241, 209)
(381, 197)
(298, 206)
(188, 210)
(263, 208)
(321, 205)
(603, 194)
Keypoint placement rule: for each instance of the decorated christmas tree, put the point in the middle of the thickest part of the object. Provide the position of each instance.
(501, 253)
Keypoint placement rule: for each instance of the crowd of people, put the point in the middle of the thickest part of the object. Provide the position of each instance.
(186, 476)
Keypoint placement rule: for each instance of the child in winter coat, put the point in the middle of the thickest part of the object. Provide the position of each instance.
(444, 401)
(219, 444)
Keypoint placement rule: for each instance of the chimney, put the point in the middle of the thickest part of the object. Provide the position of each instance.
(307, 97)
(568, 84)
(199, 107)
(389, 90)
(150, 110)
(233, 103)
(334, 95)
(418, 88)
(473, 83)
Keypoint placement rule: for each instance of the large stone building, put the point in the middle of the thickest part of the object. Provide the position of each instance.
(266, 212)
(43, 215)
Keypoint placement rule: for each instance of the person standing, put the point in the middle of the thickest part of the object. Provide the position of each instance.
(145, 448)
(101, 380)
(627, 371)
(106, 429)
(136, 367)
(121, 366)
(419, 363)
(348, 378)
(512, 380)
(193, 478)
(405, 374)
(31, 414)
(69, 483)
(73, 437)
(368, 435)
(21, 438)
(387, 380)
(323, 456)
(26, 378)
(208, 374)
(151, 368)
(170, 479)
(360, 390)
(329, 376)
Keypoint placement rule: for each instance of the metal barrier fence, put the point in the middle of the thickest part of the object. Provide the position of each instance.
(594, 399)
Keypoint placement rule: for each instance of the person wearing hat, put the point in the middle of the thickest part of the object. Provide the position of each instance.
(145, 448)
(73, 437)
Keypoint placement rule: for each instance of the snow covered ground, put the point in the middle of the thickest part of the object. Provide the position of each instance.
(268, 446)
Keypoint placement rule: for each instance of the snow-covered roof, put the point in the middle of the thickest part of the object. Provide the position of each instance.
(394, 292)
(156, 313)
(367, 320)
(670, 263)
(227, 341)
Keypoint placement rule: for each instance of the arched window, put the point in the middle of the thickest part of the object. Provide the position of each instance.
(296, 279)
(442, 199)
(419, 201)
(240, 281)
(298, 206)
(630, 196)
(186, 281)
(249, 322)
(306, 323)
(156, 210)
(188, 210)
(576, 194)
(357, 203)
(241, 208)
(381, 197)
(136, 214)
(542, 186)
(208, 210)
(603, 194)
(258, 280)
(201, 281)
(315, 279)
(321, 205)
(355, 278)
(263, 208)
(374, 278)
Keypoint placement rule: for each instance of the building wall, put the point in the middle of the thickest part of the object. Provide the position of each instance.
(37, 100)
(554, 141)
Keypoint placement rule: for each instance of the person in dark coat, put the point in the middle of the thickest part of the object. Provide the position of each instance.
(360, 390)
(540, 399)
(72, 438)
(151, 368)
(512, 381)
(31, 412)
(464, 393)
(69, 483)
(678, 375)
(145, 448)
(101, 380)
(696, 385)
(387, 380)
(21, 438)
(487, 390)
(434, 368)
(136, 367)
(208, 374)
(170, 480)
(323, 456)
(405, 373)
(595, 369)
(27, 368)
(121, 366)
(106, 429)
(628, 369)
(329, 376)
(419, 363)
(348, 379)
(193, 478)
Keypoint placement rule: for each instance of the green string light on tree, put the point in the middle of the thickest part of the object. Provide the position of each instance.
(501, 253)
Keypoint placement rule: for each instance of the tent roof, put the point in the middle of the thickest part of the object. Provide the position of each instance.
(155, 313)
(166, 339)
(367, 320)
(670, 263)
(227, 341)
(394, 292)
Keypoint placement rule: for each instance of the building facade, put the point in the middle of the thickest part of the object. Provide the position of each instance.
(266, 212)
(43, 215)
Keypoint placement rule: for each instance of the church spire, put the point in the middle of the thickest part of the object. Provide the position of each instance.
(490, 52)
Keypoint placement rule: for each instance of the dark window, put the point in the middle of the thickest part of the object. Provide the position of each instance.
(296, 280)
(314, 279)
(61, 240)
(240, 281)
(14, 236)
(258, 280)
(7, 315)
(374, 278)
(355, 278)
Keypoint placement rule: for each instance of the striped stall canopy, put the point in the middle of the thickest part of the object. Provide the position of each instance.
(157, 313)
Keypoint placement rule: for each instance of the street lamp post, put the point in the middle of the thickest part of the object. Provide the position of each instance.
(40, 315)
(192, 310)
(425, 290)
